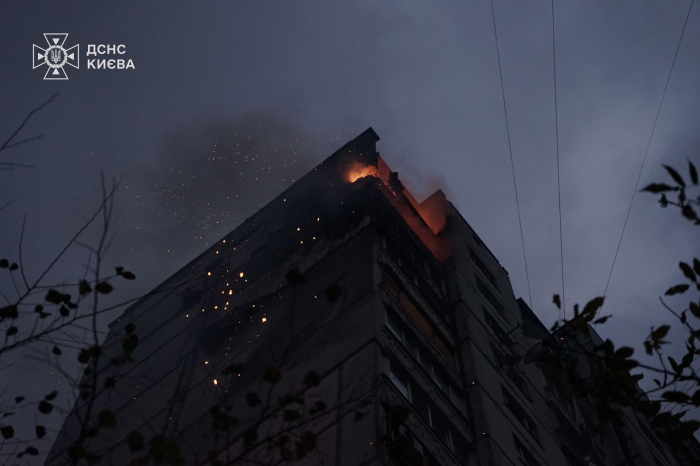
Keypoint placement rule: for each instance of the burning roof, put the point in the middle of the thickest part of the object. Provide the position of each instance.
(427, 219)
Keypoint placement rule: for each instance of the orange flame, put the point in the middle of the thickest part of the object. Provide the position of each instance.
(358, 170)
(427, 219)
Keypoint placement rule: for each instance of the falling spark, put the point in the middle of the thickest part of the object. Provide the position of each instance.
(240, 274)
(264, 319)
(216, 382)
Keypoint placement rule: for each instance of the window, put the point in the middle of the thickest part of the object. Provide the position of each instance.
(412, 346)
(520, 414)
(441, 380)
(498, 331)
(399, 378)
(481, 266)
(414, 311)
(512, 372)
(523, 454)
(441, 427)
(393, 325)
(489, 296)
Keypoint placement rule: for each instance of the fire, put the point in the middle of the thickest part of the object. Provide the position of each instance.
(358, 170)
(427, 219)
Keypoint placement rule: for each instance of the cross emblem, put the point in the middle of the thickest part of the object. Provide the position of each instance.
(55, 56)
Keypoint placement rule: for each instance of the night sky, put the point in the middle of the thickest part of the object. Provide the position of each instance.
(230, 102)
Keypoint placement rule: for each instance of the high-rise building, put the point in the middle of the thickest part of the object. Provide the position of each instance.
(345, 323)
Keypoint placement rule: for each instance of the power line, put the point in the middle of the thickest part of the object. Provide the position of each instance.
(646, 152)
(510, 150)
(556, 129)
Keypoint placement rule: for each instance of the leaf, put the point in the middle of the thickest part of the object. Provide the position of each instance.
(164, 450)
(57, 351)
(9, 312)
(658, 188)
(693, 172)
(676, 397)
(14, 267)
(128, 275)
(624, 352)
(233, 369)
(333, 292)
(40, 431)
(31, 451)
(45, 407)
(592, 307)
(253, 400)
(7, 432)
(291, 415)
(602, 320)
(129, 329)
(135, 441)
(674, 174)
(676, 368)
(107, 419)
(295, 277)
(687, 360)
(84, 287)
(688, 212)
(103, 287)
(19, 399)
(119, 270)
(64, 311)
(557, 301)
(249, 437)
(4, 263)
(84, 356)
(54, 297)
(11, 331)
(312, 379)
(51, 396)
(130, 343)
(272, 375)
(696, 266)
(687, 271)
(676, 290)
(695, 309)
(660, 332)
(319, 407)
(306, 444)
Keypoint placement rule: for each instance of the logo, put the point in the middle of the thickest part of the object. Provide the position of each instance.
(55, 56)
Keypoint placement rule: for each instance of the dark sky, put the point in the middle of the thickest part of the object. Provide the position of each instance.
(276, 86)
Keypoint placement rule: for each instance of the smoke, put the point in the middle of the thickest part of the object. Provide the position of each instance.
(206, 178)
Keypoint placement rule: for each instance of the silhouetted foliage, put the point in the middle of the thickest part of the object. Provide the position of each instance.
(611, 385)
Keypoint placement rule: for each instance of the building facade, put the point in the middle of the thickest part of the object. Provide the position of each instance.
(346, 309)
